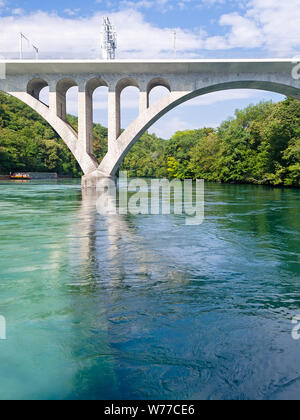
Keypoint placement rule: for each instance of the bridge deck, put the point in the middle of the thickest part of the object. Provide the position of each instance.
(146, 66)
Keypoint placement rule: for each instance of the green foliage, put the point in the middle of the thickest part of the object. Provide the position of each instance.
(28, 142)
(146, 158)
(204, 161)
(261, 145)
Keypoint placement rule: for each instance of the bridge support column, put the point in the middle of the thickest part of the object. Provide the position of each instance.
(86, 128)
(114, 117)
(86, 135)
(61, 106)
(91, 180)
(57, 102)
(85, 122)
(144, 101)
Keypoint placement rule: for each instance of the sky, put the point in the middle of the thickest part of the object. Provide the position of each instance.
(205, 29)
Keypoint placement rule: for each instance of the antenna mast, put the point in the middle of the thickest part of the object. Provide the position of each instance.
(23, 37)
(109, 40)
(36, 51)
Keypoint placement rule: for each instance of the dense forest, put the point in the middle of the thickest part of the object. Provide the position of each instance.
(260, 144)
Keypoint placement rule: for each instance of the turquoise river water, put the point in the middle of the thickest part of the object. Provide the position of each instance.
(145, 307)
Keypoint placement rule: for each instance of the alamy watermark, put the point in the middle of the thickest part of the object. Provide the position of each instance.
(2, 328)
(152, 197)
(296, 68)
(296, 329)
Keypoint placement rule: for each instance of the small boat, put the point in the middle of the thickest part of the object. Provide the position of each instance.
(20, 176)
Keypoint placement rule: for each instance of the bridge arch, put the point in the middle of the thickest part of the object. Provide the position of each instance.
(125, 83)
(95, 89)
(158, 81)
(63, 129)
(63, 85)
(111, 162)
(94, 84)
(35, 86)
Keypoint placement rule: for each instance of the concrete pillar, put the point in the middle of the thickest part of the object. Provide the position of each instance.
(52, 101)
(61, 105)
(57, 102)
(114, 117)
(85, 122)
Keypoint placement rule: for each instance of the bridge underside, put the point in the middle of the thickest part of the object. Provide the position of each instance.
(184, 81)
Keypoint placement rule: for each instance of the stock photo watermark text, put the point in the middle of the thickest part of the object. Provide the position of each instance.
(152, 197)
(296, 68)
(296, 329)
(2, 328)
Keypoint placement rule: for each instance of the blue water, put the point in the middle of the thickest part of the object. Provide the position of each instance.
(144, 307)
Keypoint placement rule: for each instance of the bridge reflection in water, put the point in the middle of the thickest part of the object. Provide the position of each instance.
(194, 328)
(112, 264)
(145, 306)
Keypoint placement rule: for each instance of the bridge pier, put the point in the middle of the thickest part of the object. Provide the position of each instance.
(90, 181)
(85, 122)
(114, 117)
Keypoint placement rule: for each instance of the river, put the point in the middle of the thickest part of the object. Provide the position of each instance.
(145, 307)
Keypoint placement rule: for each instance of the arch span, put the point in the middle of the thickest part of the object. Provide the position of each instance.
(111, 162)
(64, 130)
(95, 83)
(125, 83)
(158, 81)
(35, 86)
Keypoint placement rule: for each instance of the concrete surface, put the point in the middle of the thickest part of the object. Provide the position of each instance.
(184, 79)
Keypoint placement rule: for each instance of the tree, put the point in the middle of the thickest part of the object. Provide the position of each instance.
(260, 144)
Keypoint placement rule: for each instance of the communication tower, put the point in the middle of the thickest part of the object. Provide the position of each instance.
(109, 40)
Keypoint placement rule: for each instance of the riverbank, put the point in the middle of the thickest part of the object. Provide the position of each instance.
(260, 145)
(39, 176)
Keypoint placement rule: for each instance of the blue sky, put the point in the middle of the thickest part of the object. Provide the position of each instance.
(205, 29)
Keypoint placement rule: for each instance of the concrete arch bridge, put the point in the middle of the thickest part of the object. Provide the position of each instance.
(183, 79)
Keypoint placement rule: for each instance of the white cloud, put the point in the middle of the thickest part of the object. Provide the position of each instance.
(273, 25)
(2, 4)
(223, 96)
(244, 32)
(142, 4)
(270, 25)
(80, 37)
(279, 22)
(18, 12)
(71, 12)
